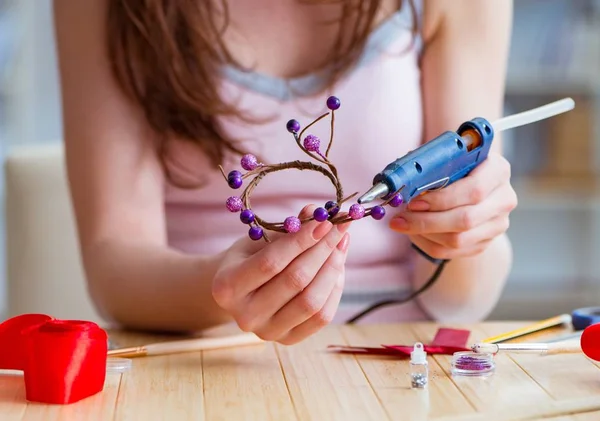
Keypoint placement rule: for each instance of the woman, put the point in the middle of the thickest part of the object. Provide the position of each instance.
(157, 94)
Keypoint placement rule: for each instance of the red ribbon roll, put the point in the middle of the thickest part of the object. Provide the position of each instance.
(63, 361)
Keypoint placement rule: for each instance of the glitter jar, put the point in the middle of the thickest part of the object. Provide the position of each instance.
(469, 363)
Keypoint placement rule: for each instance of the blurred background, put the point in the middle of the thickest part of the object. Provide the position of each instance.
(556, 165)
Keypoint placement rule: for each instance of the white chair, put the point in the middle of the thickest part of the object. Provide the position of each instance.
(44, 267)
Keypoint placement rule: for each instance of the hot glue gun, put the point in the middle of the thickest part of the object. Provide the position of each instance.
(450, 156)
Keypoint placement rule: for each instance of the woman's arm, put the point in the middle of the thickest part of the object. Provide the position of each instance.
(464, 66)
(116, 185)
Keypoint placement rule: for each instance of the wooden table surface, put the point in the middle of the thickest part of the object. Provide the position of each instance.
(307, 382)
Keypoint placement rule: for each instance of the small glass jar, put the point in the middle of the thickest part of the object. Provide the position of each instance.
(419, 368)
(472, 364)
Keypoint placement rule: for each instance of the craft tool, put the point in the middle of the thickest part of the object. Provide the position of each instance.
(541, 348)
(451, 156)
(584, 317)
(186, 345)
(563, 319)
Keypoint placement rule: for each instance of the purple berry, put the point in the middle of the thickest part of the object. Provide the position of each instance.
(249, 162)
(292, 224)
(234, 174)
(330, 204)
(333, 103)
(312, 143)
(396, 201)
(356, 211)
(247, 216)
(235, 182)
(255, 233)
(320, 214)
(234, 204)
(378, 212)
(293, 126)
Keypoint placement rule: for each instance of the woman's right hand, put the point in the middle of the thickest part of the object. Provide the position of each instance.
(288, 289)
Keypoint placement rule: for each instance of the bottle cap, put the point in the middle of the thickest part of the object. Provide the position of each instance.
(418, 354)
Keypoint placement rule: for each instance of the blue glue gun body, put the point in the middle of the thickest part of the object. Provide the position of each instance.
(440, 162)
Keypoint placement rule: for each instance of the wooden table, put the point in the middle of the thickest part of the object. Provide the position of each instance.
(306, 382)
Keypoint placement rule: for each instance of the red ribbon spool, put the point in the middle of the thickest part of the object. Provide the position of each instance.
(63, 361)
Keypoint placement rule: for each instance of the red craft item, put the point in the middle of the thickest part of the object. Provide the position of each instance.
(63, 361)
(446, 342)
(590, 342)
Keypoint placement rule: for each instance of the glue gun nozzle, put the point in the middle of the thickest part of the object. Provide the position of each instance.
(378, 190)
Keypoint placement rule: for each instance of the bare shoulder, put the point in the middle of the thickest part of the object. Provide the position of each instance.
(466, 18)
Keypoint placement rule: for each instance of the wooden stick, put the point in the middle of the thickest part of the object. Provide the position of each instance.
(531, 412)
(186, 345)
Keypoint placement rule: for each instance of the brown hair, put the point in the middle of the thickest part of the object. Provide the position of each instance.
(167, 54)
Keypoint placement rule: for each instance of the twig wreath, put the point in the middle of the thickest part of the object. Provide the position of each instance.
(311, 145)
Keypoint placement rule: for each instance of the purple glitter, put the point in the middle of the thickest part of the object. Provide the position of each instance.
(234, 204)
(356, 211)
(320, 214)
(472, 364)
(249, 162)
(312, 143)
(255, 233)
(378, 212)
(396, 201)
(333, 103)
(292, 224)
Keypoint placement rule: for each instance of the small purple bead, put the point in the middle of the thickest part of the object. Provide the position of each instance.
(332, 207)
(234, 204)
(312, 143)
(249, 162)
(292, 224)
(396, 201)
(378, 212)
(293, 126)
(333, 103)
(234, 174)
(235, 182)
(356, 211)
(247, 216)
(255, 233)
(320, 214)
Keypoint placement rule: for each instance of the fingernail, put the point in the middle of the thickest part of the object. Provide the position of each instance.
(343, 244)
(418, 205)
(322, 229)
(399, 224)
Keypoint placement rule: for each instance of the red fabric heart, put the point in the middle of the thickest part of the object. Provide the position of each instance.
(63, 361)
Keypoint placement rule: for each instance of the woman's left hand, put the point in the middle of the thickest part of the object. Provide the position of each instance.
(464, 218)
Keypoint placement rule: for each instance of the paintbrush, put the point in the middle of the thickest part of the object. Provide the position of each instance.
(186, 345)
(552, 322)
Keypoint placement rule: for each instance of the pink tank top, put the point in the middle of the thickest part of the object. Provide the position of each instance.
(379, 120)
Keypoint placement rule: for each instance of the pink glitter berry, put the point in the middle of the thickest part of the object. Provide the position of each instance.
(292, 224)
(249, 162)
(312, 143)
(356, 211)
(234, 204)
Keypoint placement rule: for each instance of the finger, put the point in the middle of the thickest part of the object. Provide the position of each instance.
(272, 259)
(295, 281)
(437, 251)
(469, 190)
(320, 319)
(468, 239)
(464, 218)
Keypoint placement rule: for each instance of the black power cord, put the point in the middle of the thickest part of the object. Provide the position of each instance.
(434, 277)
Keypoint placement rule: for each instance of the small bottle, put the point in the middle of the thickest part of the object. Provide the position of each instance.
(419, 369)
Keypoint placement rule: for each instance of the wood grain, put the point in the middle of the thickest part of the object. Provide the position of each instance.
(307, 382)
